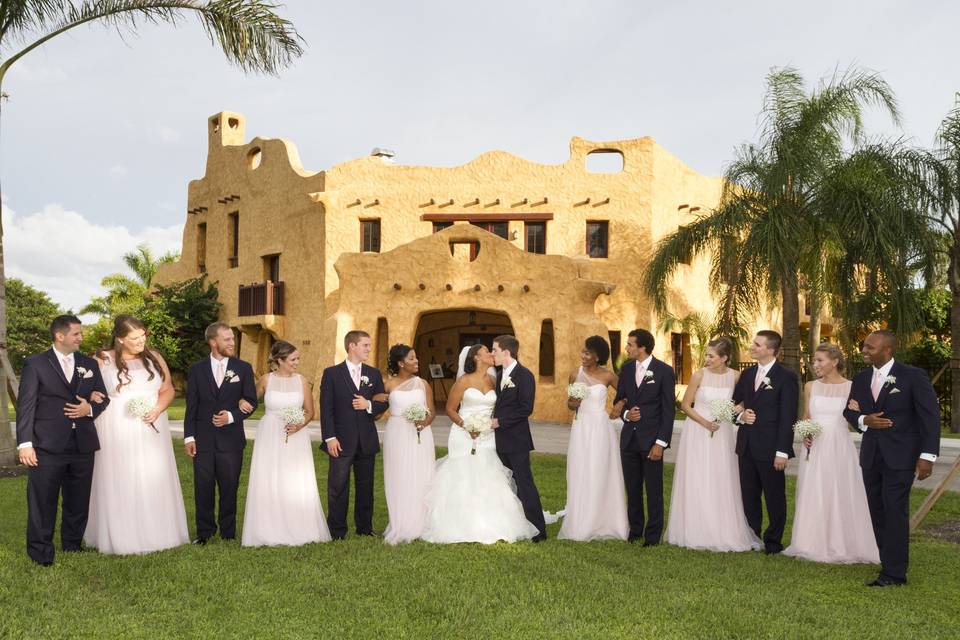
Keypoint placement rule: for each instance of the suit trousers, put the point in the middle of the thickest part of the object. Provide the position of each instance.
(758, 479)
(212, 471)
(519, 464)
(338, 492)
(888, 495)
(640, 472)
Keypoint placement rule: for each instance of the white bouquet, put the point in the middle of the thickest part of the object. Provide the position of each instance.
(722, 411)
(141, 408)
(807, 429)
(476, 425)
(416, 413)
(578, 391)
(290, 416)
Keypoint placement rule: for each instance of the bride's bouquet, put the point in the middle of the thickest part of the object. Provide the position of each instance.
(476, 425)
(141, 408)
(291, 415)
(807, 429)
(416, 413)
(578, 391)
(722, 411)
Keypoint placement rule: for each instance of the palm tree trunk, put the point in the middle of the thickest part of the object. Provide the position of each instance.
(815, 309)
(789, 292)
(953, 279)
(8, 446)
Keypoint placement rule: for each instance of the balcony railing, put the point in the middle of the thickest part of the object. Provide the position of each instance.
(261, 299)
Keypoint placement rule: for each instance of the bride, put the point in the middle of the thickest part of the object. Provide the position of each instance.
(472, 497)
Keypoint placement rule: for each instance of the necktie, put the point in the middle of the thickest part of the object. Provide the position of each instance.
(640, 372)
(220, 372)
(67, 369)
(355, 374)
(877, 384)
(759, 380)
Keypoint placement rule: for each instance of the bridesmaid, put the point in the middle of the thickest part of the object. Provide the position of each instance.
(408, 452)
(831, 522)
(283, 502)
(706, 511)
(596, 503)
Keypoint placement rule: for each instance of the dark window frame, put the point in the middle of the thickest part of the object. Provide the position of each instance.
(527, 239)
(605, 226)
(375, 236)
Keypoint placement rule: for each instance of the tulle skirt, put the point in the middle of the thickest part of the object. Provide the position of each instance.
(408, 466)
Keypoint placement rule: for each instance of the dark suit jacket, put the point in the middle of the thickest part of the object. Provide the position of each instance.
(512, 411)
(44, 391)
(356, 430)
(204, 399)
(656, 397)
(776, 410)
(913, 408)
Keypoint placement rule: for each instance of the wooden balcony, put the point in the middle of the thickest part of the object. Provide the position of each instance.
(261, 299)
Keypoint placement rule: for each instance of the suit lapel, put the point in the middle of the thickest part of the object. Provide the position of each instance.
(345, 371)
(55, 363)
(208, 372)
(885, 389)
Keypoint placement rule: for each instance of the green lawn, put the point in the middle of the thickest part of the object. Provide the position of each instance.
(361, 588)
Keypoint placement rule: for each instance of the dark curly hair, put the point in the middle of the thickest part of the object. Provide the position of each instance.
(398, 354)
(598, 347)
(470, 364)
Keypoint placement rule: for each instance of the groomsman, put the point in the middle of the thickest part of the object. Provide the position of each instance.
(56, 438)
(347, 411)
(646, 391)
(769, 394)
(899, 416)
(213, 430)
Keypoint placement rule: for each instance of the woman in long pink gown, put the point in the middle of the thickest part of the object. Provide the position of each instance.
(706, 510)
(831, 521)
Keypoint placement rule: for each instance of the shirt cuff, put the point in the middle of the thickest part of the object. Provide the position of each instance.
(25, 445)
(189, 439)
(370, 407)
(90, 415)
(862, 427)
(781, 454)
(662, 443)
(230, 421)
(928, 456)
(329, 439)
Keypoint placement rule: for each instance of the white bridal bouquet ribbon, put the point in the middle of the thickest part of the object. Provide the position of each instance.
(291, 416)
(140, 408)
(722, 411)
(807, 429)
(477, 425)
(416, 413)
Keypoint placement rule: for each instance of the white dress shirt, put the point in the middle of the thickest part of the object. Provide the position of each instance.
(508, 370)
(214, 366)
(883, 372)
(641, 370)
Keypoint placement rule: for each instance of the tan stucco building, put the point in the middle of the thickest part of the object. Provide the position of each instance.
(441, 257)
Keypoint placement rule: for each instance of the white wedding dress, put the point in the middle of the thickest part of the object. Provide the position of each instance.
(472, 497)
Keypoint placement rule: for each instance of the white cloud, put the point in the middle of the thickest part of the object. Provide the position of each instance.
(168, 135)
(119, 171)
(64, 254)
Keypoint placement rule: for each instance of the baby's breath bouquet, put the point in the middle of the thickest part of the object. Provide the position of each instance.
(476, 425)
(722, 411)
(416, 413)
(807, 429)
(141, 408)
(290, 416)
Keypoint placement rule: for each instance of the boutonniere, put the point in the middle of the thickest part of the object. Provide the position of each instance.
(648, 377)
(506, 383)
(231, 376)
(84, 373)
(889, 380)
(364, 381)
(766, 383)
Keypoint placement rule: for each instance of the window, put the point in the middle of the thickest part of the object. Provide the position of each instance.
(440, 226)
(615, 345)
(233, 238)
(597, 239)
(546, 368)
(496, 228)
(271, 268)
(536, 235)
(202, 247)
(605, 161)
(370, 235)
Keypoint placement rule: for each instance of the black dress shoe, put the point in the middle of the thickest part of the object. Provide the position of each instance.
(540, 537)
(45, 563)
(228, 537)
(369, 534)
(771, 551)
(632, 539)
(882, 581)
(338, 537)
(200, 541)
(648, 543)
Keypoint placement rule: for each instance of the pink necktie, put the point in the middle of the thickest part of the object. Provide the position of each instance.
(639, 375)
(355, 374)
(877, 384)
(67, 369)
(220, 373)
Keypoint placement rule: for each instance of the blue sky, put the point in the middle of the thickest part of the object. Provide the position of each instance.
(102, 133)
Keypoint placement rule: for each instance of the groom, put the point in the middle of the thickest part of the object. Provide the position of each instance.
(900, 417)
(347, 411)
(56, 438)
(213, 430)
(516, 390)
(769, 393)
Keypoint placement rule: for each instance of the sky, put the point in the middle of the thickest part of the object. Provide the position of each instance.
(103, 131)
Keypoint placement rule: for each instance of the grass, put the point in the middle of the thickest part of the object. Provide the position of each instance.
(361, 588)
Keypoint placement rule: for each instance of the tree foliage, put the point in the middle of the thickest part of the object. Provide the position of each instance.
(31, 312)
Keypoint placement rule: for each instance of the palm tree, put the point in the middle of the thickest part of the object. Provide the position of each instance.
(123, 292)
(695, 323)
(776, 227)
(250, 32)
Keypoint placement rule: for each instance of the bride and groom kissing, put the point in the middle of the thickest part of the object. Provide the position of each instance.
(485, 496)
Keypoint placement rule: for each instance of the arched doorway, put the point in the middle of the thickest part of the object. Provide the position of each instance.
(443, 333)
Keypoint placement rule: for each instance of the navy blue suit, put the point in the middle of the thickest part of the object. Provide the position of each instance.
(219, 458)
(888, 457)
(514, 440)
(65, 448)
(656, 399)
(775, 405)
(356, 430)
